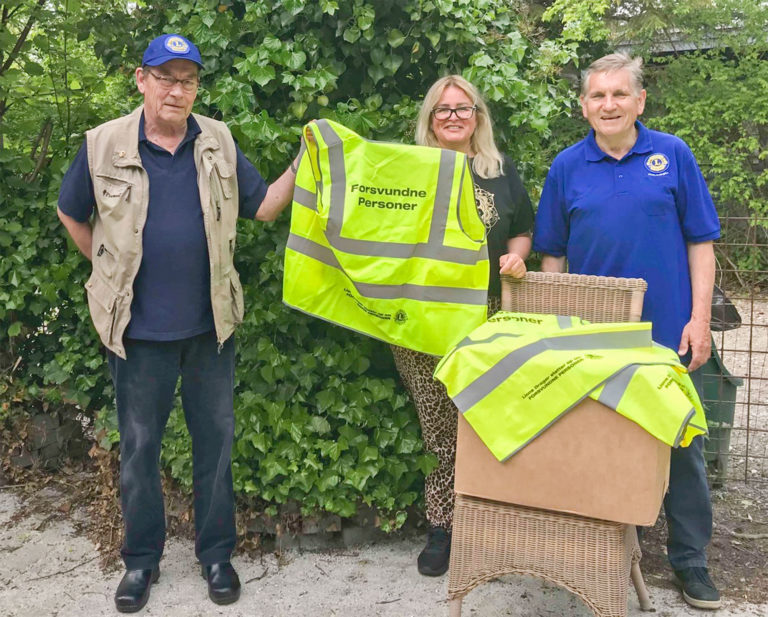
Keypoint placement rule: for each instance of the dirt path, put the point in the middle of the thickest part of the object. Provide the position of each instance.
(47, 568)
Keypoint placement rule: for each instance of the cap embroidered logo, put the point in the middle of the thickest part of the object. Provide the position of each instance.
(176, 45)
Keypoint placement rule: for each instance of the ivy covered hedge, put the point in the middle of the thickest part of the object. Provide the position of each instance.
(321, 418)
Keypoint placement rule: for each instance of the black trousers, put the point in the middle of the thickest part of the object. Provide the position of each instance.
(145, 385)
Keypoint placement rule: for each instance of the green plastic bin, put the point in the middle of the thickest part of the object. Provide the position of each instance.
(719, 404)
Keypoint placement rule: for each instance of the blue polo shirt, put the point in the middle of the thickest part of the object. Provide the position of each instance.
(172, 290)
(630, 218)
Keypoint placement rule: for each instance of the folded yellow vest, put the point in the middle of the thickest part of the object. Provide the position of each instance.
(386, 240)
(518, 373)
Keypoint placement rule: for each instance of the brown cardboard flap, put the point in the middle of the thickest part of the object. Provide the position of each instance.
(592, 462)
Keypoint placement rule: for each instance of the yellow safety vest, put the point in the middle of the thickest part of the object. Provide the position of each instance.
(518, 373)
(386, 240)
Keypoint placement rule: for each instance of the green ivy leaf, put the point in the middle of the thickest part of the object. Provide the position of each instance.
(395, 38)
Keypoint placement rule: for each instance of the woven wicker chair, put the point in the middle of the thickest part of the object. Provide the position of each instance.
(593, 559)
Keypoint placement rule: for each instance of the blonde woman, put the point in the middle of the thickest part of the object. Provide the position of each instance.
(455, 117)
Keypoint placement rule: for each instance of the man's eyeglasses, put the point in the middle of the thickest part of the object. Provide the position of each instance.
(462, 113)
(167, 82)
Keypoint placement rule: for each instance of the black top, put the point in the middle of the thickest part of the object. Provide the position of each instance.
(506, 210)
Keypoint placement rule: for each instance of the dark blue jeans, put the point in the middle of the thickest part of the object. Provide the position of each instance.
(145, 385)
(687, 504)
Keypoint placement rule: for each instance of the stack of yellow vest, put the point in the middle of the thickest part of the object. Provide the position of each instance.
(518, 373)
(386, 240)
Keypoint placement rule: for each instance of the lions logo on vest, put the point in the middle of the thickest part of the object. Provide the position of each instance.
(657, 164)
(176, 45)
(401, 317)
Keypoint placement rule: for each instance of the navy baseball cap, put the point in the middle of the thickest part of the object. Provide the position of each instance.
(171, 47)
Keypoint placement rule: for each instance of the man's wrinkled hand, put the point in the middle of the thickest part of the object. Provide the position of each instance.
(697, 338)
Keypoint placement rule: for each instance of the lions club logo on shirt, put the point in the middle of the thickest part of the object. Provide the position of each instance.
(176, 45)
(657, 163)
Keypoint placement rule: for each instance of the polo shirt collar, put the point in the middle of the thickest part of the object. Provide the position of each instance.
(642, 145)
(193, 130)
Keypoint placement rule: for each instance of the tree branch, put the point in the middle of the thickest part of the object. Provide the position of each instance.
(45, 137)
(22, 38)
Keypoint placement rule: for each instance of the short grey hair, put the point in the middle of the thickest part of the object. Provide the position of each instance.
(615, 62)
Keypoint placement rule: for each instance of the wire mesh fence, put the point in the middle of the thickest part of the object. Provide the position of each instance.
(736, 377)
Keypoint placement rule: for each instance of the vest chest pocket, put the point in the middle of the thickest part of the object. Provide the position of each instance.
(222, 177)
(111, 191)
(224, 171)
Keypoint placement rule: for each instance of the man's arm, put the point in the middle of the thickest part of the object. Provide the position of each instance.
(279, 195)
(81, 233)
(696, 336)
(550, 263)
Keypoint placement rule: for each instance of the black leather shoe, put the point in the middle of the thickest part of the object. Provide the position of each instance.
(133, 591)
(223, 583)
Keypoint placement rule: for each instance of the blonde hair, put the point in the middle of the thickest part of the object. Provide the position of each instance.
(615, 62)
(487, 162)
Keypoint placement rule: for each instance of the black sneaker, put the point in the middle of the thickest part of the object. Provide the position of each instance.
(433, 560)
(698, 589)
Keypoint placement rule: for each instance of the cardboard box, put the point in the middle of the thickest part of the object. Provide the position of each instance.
(592, 462)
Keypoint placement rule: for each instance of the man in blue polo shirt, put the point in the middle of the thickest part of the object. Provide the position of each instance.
(630, 202)
(152, 199)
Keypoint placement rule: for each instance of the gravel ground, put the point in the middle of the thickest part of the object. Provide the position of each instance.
(49, 569)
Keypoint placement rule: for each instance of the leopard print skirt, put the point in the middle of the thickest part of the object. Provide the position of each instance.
(439, 420)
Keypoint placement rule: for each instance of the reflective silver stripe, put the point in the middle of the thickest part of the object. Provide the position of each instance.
(305, 198)
(394, 249)
(681, 432)
(703, 429)
(468, 341)
(454, 295)
(433, 249)
(564, 322)
(302, 149)
(338, 180)
(442, 204)
(425, 293)
(320, 253)
(616, 387)
(500, 372)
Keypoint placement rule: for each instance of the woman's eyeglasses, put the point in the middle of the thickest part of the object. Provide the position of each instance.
(462, 113)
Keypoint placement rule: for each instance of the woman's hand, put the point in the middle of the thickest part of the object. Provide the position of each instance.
(512, 264)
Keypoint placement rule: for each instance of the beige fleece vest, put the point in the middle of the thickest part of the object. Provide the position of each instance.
(121, 189)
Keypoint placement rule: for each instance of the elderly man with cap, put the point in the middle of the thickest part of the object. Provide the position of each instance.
(152, 199)
(627, 201)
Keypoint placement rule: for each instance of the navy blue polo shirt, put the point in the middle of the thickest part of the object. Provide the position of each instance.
(171, 292)
(630, 218)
